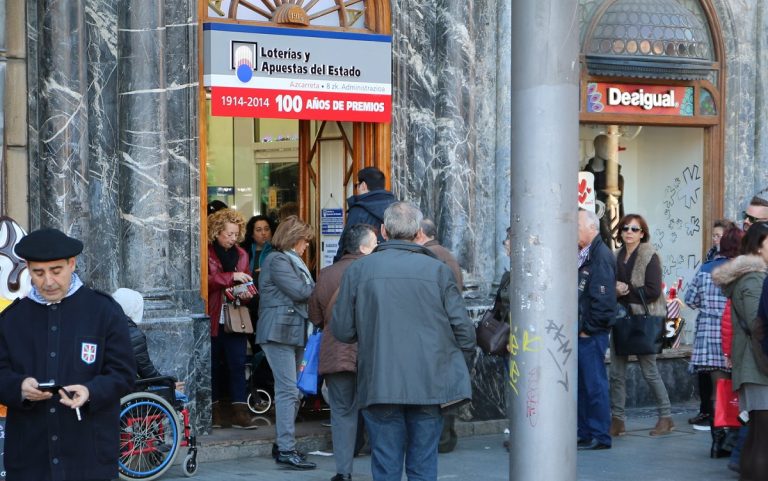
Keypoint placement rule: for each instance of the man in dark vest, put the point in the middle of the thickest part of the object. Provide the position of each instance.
(368, 205)
(65, 362)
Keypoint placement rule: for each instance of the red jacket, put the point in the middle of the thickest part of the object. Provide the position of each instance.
(726, 329)
(218, 280)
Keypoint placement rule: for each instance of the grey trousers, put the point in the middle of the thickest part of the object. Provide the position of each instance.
(342, 397)
(284, 360)
(618, 379)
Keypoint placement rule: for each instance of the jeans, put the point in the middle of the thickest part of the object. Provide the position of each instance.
(228, 366)
(594, 410)
(401, 432)
(284, 361)
(342, 398)
(618, 372)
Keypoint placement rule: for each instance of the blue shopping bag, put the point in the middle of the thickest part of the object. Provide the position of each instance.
(307, 382)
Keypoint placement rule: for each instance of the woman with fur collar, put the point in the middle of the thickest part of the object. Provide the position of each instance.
(638, 272)
(743, 282)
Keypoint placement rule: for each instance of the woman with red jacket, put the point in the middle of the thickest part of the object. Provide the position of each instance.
(227, 266)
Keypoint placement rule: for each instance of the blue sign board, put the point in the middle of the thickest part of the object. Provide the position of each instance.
(331, 221)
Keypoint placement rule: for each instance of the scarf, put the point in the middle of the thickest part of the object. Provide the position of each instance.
(228, 257)
(74, 284)
(299, 264)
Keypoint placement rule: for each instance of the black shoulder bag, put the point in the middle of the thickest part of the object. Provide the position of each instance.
(639, 334)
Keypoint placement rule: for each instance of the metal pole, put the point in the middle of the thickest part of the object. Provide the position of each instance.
(543, 290)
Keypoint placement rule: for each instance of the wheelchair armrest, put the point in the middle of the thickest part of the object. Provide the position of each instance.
(165, 381)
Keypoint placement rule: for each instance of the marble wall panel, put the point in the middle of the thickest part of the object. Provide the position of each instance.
(180, 347)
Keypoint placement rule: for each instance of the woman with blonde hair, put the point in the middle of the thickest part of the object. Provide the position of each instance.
(285, 285)
(227, 266)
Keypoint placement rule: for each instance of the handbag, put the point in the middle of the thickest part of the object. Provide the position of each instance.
(492, 335)
(237, 319)
(308, 370)
(726, 405)
(639, 334)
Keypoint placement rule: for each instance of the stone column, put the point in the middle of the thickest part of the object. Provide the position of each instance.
(143, 150)
(73, 125)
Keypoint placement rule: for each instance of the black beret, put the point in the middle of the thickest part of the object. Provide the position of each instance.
(45, 245)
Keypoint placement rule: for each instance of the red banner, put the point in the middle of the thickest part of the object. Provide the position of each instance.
(300, 104)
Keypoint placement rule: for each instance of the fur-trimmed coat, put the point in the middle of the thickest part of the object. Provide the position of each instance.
(742, 282)
(645, 253)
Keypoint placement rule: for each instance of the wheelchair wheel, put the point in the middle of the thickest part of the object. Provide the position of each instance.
(149, 436)
(189, 466)
(259, 401)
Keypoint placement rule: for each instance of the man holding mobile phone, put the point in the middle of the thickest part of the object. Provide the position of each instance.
(65, 362)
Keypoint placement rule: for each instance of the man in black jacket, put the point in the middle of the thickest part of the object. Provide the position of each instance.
(367, 207)
(597, 313)
(75, 339)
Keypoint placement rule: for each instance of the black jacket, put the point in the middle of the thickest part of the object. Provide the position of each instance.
(597, 289)
(145, 369)
(81, 340)
(368, 209)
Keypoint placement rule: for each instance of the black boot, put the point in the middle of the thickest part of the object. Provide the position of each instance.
(718, 449)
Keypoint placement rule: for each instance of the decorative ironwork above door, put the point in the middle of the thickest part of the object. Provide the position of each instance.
(326, 13)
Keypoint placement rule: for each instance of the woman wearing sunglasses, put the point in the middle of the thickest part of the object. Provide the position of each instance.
(638, 273)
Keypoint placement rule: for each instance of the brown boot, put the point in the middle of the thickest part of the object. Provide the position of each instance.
(663, 426)
(241, 417)
(220, 415)
(617, 427)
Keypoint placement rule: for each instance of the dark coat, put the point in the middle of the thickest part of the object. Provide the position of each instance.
(445, 255)
(145, 369)
(597, 289)
(741, 280)
(415, 339)
(218, 280)
(335, 356)
(283, 296)
(44, 439)
(368, 209)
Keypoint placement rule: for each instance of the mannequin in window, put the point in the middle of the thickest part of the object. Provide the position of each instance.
(605, 187)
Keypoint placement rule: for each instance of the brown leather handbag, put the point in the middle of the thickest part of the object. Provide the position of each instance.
(237, 319)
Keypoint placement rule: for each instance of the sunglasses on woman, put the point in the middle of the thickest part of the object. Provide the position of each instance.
(752, 219)
(632, 228)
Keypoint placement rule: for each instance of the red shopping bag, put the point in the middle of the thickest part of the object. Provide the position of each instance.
(726, 405)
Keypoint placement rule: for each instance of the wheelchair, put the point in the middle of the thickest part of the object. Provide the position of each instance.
(259, 383)
(154, 426)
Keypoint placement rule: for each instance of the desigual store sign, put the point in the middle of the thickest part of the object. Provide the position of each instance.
(639, 99)
(273, 72)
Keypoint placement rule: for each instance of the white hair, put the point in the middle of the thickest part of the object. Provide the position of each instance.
(591, 218)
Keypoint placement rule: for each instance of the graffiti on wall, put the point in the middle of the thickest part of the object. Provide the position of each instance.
(674, 236)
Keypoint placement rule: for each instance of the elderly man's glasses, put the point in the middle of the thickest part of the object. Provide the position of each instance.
(632, 228)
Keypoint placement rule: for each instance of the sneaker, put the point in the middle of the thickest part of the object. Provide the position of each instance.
(702, 427)
(699, 419)
(292, 460)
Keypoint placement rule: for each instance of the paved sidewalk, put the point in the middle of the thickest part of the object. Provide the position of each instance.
(681, 456)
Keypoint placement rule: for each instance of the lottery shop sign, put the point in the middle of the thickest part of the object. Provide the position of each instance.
(293, 73)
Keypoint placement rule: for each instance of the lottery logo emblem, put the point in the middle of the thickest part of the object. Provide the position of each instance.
(88, 353)
(244, 60)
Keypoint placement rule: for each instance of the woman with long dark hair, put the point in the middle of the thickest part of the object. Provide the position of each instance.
(743, 281)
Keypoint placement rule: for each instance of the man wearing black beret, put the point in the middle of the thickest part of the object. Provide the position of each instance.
(74, 338)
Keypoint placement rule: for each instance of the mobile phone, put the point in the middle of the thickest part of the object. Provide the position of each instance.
(50, 387)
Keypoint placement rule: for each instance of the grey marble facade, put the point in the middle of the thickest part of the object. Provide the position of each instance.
(113, 143)
(113, 149)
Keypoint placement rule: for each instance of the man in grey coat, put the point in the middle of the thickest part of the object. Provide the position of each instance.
(415, 341)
